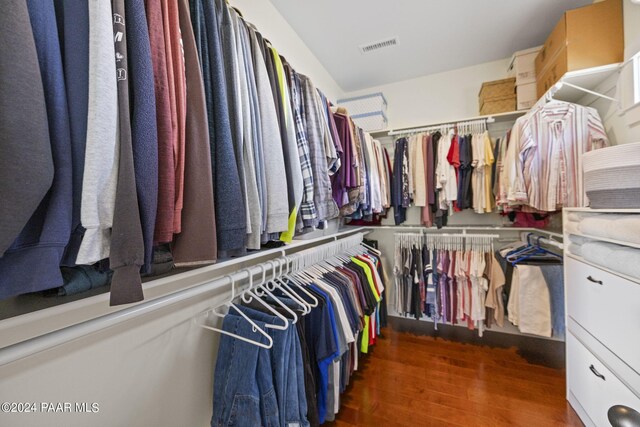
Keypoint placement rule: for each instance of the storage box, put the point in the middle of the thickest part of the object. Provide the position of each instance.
(554, 72)
(497, 88)
(370, 122)
(611, 177)
(586, 37)
(374, 102)
(523, 65)
(502, 104)
(497, 96)
(526, 95)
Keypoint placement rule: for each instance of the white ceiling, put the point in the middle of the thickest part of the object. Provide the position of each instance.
(434, 35)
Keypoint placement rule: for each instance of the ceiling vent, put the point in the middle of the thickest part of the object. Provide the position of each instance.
(371, 47)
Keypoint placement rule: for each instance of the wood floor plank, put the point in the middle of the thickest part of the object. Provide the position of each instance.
(411, 380)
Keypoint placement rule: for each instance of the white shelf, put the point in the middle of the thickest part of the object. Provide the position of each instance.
(591, 210)
(589, 79)
(38, 323)
(606, 239)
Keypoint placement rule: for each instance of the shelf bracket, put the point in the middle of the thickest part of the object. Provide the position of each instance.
(591, 92)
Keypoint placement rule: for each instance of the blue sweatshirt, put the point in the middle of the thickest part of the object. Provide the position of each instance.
(73, 25)
(231, 225)
(144, 132)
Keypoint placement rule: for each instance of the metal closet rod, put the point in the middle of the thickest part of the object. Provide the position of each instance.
(56, 338)
(470, 227)
(445, 125)
(489, 236)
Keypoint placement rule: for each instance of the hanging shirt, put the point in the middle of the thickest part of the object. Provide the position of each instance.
(549, 144)
(102, 151)
(489, 160)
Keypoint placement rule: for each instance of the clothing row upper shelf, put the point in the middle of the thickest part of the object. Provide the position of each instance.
(571, 87)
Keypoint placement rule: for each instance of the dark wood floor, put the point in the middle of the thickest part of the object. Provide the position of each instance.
(412, 380)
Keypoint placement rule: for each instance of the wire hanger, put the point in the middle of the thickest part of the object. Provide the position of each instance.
(229, 304)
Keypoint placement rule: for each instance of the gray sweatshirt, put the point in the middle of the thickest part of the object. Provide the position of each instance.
(102, 152)
(127, 246)
(276, 178)
(254, 214)
(26, 164)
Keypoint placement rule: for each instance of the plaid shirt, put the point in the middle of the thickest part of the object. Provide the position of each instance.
(308, 211)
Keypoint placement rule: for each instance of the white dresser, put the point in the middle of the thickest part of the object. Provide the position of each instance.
(603, 312)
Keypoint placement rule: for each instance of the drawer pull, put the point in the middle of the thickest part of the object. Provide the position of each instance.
(592, 280)
(596, 373)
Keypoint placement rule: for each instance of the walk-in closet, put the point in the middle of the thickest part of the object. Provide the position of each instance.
(288, 213)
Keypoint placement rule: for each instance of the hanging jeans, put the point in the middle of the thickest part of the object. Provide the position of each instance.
(288, 371)
(243, 392)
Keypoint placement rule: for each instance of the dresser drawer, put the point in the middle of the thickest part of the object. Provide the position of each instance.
(594, 386)
(607, 306)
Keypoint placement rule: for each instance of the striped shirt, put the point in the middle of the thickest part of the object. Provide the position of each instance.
(550, 144)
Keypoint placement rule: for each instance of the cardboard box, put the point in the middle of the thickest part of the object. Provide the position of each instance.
(586, 37)
(523, 65)
(526, 95)
(502, 104)
(552, 73)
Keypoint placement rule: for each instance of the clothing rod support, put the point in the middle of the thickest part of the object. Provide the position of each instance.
(559, 86)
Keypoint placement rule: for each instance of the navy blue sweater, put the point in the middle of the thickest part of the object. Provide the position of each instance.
(32, 263)
(73, 26)
(231, 225)
(144, 132)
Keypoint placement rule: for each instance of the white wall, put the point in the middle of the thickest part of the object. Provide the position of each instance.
(623, 122)
(438, 97)
(283, 37)
(156, 370)
(631, 28)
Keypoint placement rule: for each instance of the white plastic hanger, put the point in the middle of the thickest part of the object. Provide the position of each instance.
(270, 309)
(294, 280)
(285, 289)
(256, 328)
(262, 285)
(372, 249)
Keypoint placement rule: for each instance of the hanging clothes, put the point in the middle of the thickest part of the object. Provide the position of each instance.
(230, 210)
(127, 245)
(190, 140)
(451, 282)
(300, 378)
(197, 242)
(31, 261)
(543, 160)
